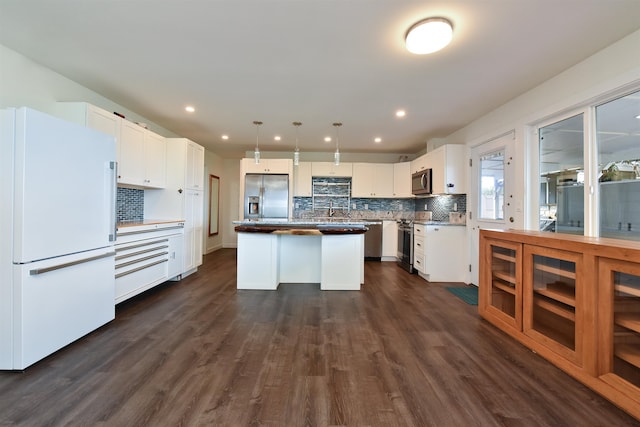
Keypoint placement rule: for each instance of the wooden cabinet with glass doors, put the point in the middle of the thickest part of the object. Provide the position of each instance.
(501, 271)
(574, 300)
(552, 286)
(620, 324)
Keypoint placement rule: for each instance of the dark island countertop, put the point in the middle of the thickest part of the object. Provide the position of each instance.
(303, 228)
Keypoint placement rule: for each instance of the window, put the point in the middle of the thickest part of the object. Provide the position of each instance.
(492, 186)
(561, 148)
(618, 140)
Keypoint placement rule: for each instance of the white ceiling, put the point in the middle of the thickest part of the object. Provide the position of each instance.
(312, 61)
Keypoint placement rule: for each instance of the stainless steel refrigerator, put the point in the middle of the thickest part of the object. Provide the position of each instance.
(266, 196)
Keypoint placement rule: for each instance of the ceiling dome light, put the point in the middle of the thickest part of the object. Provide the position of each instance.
(429, 35)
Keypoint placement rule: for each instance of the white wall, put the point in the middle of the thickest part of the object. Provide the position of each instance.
(25, 83)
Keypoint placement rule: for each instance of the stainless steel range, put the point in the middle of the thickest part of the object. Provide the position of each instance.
(405, 244)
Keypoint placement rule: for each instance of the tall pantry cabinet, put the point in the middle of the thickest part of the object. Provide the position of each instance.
(183, 197)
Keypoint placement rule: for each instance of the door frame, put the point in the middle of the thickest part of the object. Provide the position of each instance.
(513, 209)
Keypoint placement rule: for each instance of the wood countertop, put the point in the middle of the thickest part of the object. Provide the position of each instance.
(303, 229)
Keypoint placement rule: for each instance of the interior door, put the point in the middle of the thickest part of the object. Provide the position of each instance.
(491, 202)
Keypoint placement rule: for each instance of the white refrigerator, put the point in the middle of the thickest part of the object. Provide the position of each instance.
(57, 228)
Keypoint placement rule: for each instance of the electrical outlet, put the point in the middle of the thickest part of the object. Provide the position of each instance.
(297, 205)
(455, 207)
(366, 206)
(425, 207)
(353, 206)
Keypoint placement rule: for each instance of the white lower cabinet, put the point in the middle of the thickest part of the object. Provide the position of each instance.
(145, 257)
(440, 252)
(389, 240)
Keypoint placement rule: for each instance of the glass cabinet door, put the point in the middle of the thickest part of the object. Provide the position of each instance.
(620, 334)
(551, 296)
(502, 280)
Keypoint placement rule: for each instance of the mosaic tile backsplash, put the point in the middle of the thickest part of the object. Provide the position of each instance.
(364, 208)
(129, 204)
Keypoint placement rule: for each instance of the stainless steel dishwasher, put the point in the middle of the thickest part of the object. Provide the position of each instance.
(373, 242)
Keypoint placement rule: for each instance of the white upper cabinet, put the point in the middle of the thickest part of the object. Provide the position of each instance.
(419, 164)
(142, 158)
(372, 180)
(90, 116)
(447, 163)
(275, 166)
(155, 164)
(194, 178)
(302, 180)
(329, 169)
(402, 180)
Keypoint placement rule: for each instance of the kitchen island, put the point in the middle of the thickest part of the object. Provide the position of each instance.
(273, 252)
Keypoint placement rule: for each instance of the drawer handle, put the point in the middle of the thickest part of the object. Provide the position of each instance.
(118, 258)
(135, 261)
(139, 245)
(119, 275)
(127, 233)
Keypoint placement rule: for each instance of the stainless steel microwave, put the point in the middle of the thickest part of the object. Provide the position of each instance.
(421, 182)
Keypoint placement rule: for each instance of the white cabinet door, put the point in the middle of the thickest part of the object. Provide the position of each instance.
(193, 229)
(131, 154)
(419, 164)
(176, 260)
(372, 180)
(448, 169)
(155, 153)
(275, 166)
(195, 166)
(445, 253)
(362, 182)
(389, 240)
(329, 169)
(402, 180)
(302, 180)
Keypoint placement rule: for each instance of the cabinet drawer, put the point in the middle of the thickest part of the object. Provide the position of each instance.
(418, 244)
(419, 229)
(140, 278)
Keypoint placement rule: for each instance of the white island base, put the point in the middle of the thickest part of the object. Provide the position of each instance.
(335, 261)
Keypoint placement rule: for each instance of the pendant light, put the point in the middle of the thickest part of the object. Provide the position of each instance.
(296, 153)
(336, 155)
(256, 153)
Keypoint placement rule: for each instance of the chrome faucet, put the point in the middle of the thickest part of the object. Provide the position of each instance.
(331, 210)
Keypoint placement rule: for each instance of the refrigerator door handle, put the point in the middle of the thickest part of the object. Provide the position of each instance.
(37, 271)
(113, 226)
(262, 202)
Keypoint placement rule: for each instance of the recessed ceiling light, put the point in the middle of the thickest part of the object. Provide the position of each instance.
(401, 113)
(638, 116)
(429, 35)
(225, 137)
(189, 109)
(327, 139)
(276, 138)
(377, 140)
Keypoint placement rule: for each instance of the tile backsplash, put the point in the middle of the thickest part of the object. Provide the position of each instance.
(365, 208)
(129, 204)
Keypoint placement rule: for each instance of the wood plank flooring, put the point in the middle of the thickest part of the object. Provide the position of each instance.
(400, 352)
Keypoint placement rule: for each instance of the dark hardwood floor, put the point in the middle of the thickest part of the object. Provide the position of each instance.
(401, 352)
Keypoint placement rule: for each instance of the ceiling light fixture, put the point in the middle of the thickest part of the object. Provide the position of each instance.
(401, 113)
(189, 109)
(429, 35)
(256, 152)
(336, 155)
(225, 137)
(377, 140)
(277, 138)
(296, 153)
